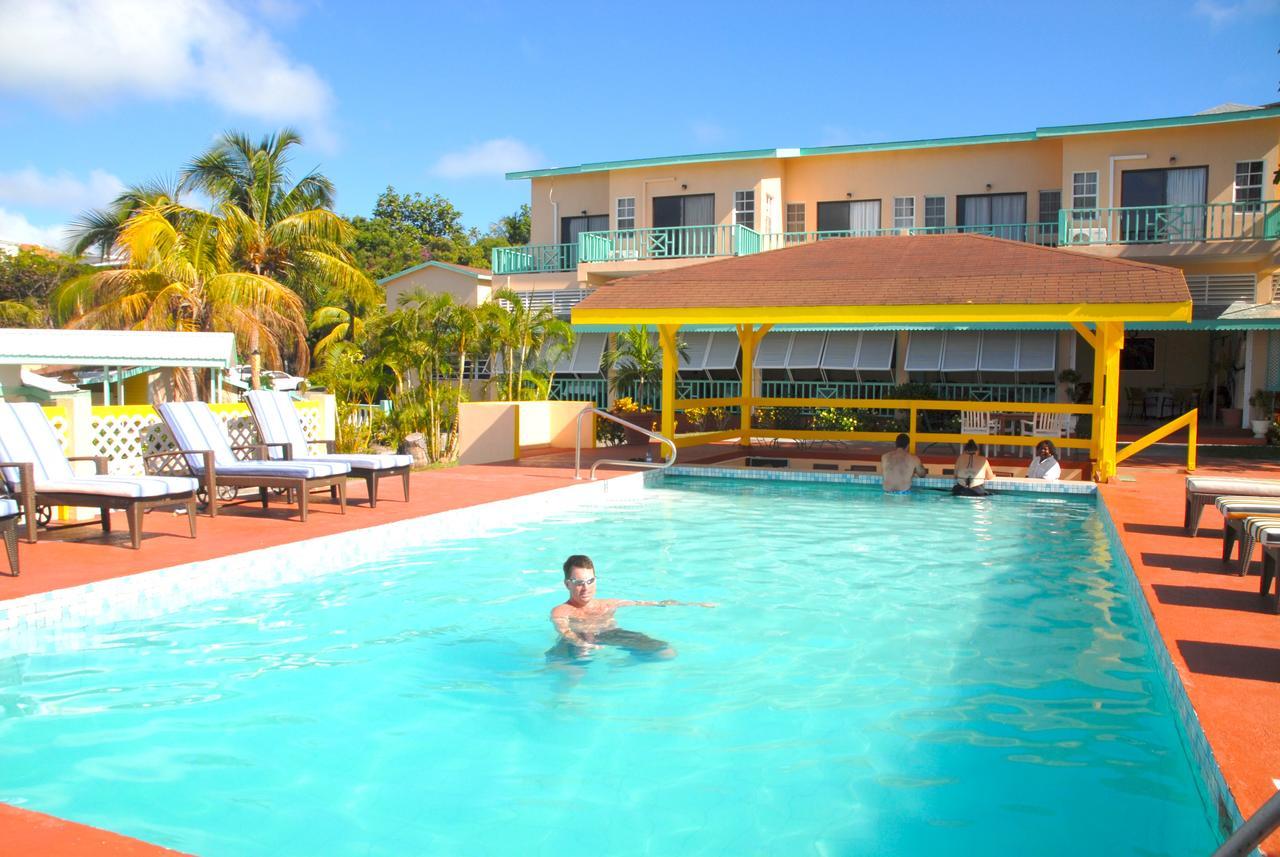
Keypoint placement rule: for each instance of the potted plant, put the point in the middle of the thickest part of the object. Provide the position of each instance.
(1264, 404)
(627, 409)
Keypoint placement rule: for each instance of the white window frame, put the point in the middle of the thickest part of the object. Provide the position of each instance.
(1251, 203)
(627, 201)
(741, 210)
(942, 200)
(1084, 211)
(796, 208)
(904, 212)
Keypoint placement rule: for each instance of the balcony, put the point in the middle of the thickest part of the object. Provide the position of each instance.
(668, 242)
(1170, 224)
(1044, 234)
(534, 259)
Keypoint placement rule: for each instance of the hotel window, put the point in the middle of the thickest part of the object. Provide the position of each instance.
(795, 217)
(1248, 185)
(935, 212)
(904, 212)
(626, 212)
(744, 208)
(1084, 194)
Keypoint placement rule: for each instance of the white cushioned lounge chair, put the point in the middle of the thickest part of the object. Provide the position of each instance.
(207, 453)
(39, 474)
(9, 530)
(1203, 490)
(1270, 559)
(282, 434)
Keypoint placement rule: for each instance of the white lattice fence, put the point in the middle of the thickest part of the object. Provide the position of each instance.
(58, 418)
(125, 433)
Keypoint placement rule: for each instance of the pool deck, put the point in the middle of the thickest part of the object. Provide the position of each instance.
(1221, 635)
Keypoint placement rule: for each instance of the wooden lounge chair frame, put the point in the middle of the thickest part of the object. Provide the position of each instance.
(213, 480)
(29, 498)
(9, 531)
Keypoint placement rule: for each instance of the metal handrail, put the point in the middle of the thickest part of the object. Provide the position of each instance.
(644, 465)
(1249, 835)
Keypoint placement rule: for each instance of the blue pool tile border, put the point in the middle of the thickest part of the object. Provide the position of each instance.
(1206, 764)
(779, 474)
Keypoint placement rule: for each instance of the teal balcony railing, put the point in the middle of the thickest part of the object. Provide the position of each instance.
(668, 242)
(1045, 234)
(534, 258)
(1170, 224)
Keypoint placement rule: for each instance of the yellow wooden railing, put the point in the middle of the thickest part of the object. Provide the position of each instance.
(1187, 421)
(912, 406)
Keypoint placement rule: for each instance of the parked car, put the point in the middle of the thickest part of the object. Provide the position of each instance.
(272, 378)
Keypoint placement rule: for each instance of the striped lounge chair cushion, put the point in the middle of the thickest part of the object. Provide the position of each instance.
(278, 421)
(121, 486)
(1238, 487)
(1232, 505)
(8, 507)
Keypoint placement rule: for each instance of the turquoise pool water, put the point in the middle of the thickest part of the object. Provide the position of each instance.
(883, 675)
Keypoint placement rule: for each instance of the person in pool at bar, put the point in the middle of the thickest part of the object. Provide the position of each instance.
(1044, 464)
(585, 622)
(972, 471)
(899, 467)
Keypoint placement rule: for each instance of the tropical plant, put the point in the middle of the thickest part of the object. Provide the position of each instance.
(354, 381)
(101, 227)
(635, 361)
(344, 314)
(180, 276)
(530, 342)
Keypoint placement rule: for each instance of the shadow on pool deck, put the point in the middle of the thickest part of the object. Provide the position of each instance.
(1220, 633)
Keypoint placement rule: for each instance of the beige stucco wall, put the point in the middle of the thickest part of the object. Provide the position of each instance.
(465, 288)
(1216, 146)
(566, 196)
(721, 179)
(554, 424)
(487, 432)
(948, 171)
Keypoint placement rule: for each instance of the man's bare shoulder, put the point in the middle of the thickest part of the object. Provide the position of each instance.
(565, 609)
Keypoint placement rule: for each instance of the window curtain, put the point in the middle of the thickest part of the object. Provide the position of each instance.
(1186, 187)
(1009, 211)
(864, 216)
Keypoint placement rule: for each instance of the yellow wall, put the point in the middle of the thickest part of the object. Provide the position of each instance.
(465, 288)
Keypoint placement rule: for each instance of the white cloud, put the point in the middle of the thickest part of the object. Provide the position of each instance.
(78, 52)
(490, 158)
(15, 227)
(30, 187)
(1222, 13)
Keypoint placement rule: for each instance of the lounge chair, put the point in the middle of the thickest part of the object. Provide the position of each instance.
(39, 474)
(281, 431)
(1270, 559)
(1203, 490)
(9, 530)
(208, 455)
(1237, 512)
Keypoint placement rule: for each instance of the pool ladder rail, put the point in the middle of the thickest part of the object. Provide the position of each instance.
(1249, 835)
(645, 465)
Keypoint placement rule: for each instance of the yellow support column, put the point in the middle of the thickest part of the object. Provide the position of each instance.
(670, 362)
(1098, 341)
(1111, 400)
(747, 343)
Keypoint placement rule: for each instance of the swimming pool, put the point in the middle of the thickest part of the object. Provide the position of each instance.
(882, 675)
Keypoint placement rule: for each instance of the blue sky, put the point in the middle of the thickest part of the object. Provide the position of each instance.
(446, 97)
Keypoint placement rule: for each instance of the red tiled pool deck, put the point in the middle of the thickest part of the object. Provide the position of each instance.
(1222, 636)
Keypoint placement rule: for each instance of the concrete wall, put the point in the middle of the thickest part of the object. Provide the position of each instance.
(495, 431)
(465, 288)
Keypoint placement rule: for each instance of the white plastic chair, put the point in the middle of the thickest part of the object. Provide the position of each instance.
(979, 422)
(1045, 425)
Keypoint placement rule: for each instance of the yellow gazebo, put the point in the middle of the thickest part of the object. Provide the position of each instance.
(905, 280)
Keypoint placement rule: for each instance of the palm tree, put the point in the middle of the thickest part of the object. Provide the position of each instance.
(282, 229)
(101, 227)
(636, 362)
(344, 315)
(524, 334)
(180, 276)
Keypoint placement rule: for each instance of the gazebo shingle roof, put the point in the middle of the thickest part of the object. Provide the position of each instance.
(899, 271)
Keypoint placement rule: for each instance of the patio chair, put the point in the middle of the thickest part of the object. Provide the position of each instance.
(208, 455)
(1270, 558)
(1045, 425)
(281, 431)
(1203, 490)
(979, 422)
(39, 474)
(1237, 514)
(1135, 398)
(9, 530)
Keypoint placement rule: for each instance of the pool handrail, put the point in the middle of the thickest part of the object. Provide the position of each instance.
(1249, 835)
(646, 465)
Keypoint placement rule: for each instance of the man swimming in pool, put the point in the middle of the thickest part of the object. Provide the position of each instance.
(586, 622)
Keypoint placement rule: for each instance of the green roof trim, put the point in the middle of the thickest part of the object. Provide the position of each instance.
(978, 140)
(457, 269)
(605, 166)
(1044, 132)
